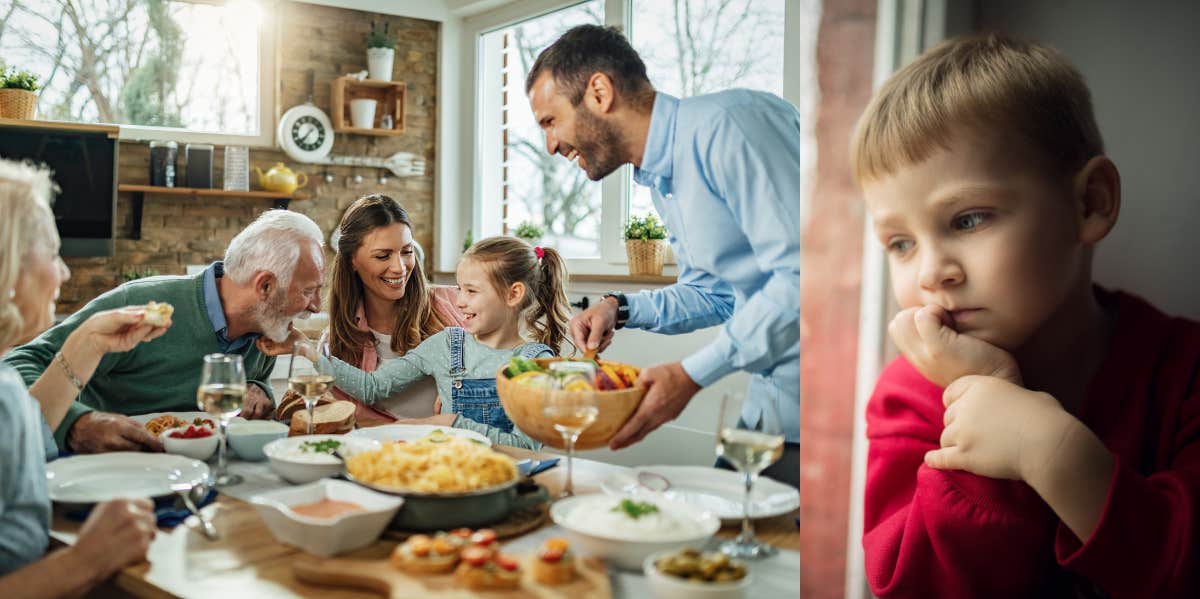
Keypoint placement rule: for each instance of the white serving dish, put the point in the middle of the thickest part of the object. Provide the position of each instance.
(199, 448)
(104, 476)
(629, 553)
(250, 437)
(411, 432)
(666, 586)
(712, 489)
(295, 469)
(326, 536)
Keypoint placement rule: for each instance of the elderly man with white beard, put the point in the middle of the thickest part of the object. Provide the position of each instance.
(272, 273)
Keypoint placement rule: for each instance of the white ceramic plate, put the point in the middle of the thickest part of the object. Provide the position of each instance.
(104, 476)
(411, 432)
(718, 491)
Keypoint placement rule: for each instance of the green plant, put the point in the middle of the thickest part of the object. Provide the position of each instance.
(380, 38)
(469, 240)
(14, 79)
(133, 274)
(528, 230)
(646, 228)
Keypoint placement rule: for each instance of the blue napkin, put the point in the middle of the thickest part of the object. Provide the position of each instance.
(543, 466)
(168, 510)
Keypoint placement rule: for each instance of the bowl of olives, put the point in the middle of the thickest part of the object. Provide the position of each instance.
(692, 574)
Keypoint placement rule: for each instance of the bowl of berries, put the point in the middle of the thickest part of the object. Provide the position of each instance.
(196, 441)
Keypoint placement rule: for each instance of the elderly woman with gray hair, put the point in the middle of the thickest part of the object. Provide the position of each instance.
(118, 532)
(272, 273)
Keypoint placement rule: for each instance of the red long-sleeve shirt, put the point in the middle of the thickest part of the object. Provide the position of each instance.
(931, 533)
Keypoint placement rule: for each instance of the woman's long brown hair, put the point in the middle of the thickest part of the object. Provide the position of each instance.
(509, 260)
(415, 318)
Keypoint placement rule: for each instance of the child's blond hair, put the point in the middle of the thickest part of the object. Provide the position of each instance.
(984, 83)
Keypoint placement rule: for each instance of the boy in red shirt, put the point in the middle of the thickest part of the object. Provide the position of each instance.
(1040, 436)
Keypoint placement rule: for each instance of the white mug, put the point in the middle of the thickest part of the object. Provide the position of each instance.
(362, 113)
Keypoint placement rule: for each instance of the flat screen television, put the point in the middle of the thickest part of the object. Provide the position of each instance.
(85, 168)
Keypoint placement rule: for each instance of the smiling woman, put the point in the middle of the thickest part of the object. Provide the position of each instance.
(381, 305)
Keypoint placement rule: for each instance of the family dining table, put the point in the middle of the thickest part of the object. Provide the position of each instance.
(247, 561)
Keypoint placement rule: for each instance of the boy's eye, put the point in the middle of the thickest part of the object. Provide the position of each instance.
(970, 220)
(899, 246)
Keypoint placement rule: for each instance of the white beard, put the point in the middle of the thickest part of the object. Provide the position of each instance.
(269, 317)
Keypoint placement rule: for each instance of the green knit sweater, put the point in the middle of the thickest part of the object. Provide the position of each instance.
(158, 376)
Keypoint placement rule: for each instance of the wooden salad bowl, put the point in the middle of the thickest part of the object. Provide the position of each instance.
(524, 407)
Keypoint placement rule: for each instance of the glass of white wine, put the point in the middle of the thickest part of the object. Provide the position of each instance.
(750, 450)
(309, 378)
(222, 393)
(570, 404)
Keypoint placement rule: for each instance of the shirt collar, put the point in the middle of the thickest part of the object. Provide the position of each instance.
(657, 158)
(216, 312)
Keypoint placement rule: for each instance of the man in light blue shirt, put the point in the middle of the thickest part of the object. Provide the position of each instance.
(724, 173)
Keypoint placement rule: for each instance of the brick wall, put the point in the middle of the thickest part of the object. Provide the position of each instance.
(831, 280)
(178, 231)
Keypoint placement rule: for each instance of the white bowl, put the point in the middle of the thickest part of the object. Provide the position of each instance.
(630, 551)
(326, 536)
(666, 586)
(298, 468)
(200, 448)
(248, 438)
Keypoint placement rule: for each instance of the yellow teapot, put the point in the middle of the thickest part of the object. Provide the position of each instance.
(281, 179)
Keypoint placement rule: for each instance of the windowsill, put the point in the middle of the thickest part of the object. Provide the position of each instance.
(610, 279)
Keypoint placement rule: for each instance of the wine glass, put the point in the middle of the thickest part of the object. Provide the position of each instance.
(570, 404)
(222, 393)
(750, 450)
(311, 379)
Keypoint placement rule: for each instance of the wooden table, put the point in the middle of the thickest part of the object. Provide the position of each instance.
(248, 562)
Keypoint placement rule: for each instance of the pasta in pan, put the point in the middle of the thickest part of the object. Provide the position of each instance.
(437, 463)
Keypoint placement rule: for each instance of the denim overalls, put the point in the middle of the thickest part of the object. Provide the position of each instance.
(476, 398)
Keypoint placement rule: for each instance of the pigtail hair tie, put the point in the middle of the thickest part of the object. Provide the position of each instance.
(540, 252)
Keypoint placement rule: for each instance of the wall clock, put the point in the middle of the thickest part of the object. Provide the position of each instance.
(305, 132)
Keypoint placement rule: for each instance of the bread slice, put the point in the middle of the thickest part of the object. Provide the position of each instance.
(291, 402)
(158, 315)
(554, 573)
(330, 419)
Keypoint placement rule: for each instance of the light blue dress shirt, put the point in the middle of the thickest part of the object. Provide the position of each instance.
(216, 312)
(24, 497)
(724, 172)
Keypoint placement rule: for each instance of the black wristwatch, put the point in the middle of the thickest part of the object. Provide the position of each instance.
(622, 307)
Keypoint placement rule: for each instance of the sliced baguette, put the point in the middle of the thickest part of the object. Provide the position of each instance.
(330, 419)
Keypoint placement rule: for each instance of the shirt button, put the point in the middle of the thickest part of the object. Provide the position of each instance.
(670, 195)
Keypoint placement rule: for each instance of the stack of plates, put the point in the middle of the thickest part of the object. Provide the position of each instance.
(711, 489)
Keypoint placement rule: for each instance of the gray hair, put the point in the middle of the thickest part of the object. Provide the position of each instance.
(26, 228)
(271, 243)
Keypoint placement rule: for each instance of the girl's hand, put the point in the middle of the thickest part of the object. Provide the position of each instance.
(997, 429)
(118, 330)
(280, 348)
(942, 354)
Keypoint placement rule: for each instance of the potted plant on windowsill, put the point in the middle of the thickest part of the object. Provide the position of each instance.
(17, 97)
(645, 245)
(381, 52)
(531, 233)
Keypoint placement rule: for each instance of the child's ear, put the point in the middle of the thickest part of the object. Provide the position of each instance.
(1098, 198)
(516, 294)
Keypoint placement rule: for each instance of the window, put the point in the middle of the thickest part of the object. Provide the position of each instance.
(155, 67)
(690, 47)
(695, 47)
(530, 185)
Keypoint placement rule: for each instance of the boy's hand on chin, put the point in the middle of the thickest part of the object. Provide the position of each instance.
(997, 429)
(942, 354)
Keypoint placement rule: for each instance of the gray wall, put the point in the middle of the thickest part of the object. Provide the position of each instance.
(1142, 62)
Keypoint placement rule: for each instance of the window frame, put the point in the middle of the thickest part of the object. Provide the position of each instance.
(267, 84)
(471, 211)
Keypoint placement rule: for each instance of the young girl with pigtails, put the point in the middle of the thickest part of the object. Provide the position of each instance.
(506, 289)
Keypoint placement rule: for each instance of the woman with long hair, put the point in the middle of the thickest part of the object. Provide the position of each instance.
(380, 303)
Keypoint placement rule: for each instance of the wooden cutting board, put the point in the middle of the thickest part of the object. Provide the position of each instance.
(380, 576)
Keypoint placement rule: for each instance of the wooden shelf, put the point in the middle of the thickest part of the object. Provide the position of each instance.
(139, 197)
(389, 99)
(110, 130)
(195, 191)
